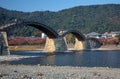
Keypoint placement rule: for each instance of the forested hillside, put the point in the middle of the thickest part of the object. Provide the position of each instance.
(98, 18)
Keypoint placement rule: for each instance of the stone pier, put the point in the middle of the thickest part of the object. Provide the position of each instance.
(92, 43)
(55, 45)
(4, 49)
(79, 45)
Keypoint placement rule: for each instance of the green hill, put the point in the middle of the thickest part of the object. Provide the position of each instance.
(98, 18)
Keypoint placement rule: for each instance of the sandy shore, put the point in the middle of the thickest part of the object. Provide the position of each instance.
(54, 72)
(13, 57)
(26, 47)
(109, 47)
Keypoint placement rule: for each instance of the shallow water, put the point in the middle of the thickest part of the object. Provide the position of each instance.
(83, 58)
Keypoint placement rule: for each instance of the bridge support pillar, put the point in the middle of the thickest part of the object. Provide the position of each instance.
(4, 50)
(92, 43)
(55, 45)
(79, 45)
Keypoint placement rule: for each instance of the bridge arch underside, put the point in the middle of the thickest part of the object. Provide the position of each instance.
(92, 43)
(45, 29)
(79, 40)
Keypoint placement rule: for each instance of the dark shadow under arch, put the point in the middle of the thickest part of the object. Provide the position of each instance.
(93, 39)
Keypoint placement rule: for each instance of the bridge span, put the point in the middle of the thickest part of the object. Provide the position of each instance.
(54, 42)
(79, 40)
(44, 28)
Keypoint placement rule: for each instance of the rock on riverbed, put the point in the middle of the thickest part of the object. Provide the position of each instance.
(57, 72)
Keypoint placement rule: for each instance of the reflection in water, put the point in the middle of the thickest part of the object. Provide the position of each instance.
(83, 58)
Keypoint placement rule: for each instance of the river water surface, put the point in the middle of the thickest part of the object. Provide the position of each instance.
(83, 58)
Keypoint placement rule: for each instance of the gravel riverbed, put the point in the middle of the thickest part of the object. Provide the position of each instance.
(53, 72)
(57, 72)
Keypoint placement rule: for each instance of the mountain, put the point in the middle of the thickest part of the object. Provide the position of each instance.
(98, 18)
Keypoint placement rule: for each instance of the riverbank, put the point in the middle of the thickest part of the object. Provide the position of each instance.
(109, 47)
(8, 71)
(57, 72)
(39, 47)
(26, 48)
(13, 57)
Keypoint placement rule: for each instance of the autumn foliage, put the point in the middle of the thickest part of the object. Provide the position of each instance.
(26, 41)
(105, 41)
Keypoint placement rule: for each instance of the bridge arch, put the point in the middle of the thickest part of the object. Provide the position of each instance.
(76, 33)
(79, 40)
(52, 36)
(44, 28)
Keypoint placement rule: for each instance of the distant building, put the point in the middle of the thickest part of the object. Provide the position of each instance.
(43, 35)
(111, 34)
(93, 35)
(106, 35)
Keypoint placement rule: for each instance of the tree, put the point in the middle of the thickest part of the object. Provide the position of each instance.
(118, 36)
(70, 37)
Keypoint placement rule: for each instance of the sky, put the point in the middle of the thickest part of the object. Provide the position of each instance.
(51, 5)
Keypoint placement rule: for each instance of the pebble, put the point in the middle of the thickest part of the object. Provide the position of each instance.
(57, 72)
(54, 72)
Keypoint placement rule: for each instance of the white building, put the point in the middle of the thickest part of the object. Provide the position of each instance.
(94, 35)
(43, 35)
(111, 34)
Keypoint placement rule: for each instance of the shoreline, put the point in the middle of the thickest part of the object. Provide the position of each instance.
(109, 47)
(26, 48)
(40, 48)
(8, 71)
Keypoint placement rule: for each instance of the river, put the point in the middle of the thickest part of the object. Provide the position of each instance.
(94, 58)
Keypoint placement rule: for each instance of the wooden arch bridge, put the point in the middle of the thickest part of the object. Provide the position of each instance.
(54, 43)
